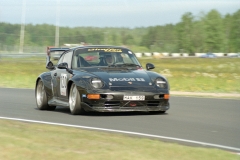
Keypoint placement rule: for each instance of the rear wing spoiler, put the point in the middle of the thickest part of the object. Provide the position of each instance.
(49, 50)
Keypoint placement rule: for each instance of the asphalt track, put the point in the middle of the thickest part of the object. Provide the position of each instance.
(209, 122)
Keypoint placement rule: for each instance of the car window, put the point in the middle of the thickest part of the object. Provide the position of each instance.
(102, 57)
(60, 59)
(92, 57)
(67, 57)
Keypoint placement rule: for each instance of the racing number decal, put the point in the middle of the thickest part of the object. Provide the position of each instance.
(63, 84)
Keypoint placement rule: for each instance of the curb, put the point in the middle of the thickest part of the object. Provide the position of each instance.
(219, 95)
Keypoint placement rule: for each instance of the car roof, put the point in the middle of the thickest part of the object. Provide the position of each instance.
(99, 46)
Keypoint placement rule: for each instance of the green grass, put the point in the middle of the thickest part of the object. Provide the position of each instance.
(19, 72)
(220, 75)
(23, 141)
(199, 74)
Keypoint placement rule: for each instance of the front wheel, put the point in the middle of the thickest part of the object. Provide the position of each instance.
(75, 101)
(41, 97)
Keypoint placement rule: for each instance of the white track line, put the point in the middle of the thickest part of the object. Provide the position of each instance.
(127, 132)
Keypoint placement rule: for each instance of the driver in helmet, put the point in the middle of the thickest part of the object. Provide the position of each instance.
(105, 59)
(109, 59)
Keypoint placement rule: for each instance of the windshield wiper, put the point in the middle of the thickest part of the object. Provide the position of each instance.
(124, 65)
(130, 65)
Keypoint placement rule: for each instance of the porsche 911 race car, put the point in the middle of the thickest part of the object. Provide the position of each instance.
(102, 79)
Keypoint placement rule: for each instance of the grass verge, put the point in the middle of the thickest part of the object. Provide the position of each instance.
(23, 141)
(217, 75)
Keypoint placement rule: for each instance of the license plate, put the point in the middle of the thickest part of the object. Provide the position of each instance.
(135, 98)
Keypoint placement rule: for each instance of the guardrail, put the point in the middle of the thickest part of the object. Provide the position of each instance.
(166, 54)
(22, 54)
(138, 54)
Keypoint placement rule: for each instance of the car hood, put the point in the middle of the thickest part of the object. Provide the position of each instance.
(122, 77)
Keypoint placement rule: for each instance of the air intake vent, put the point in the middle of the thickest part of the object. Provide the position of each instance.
(112, 104)
(152, 103)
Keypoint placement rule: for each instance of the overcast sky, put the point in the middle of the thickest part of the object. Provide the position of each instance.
(108, 13)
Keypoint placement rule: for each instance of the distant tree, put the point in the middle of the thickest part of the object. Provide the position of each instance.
(202, 33)
(9, 34)
(114, 40)
(198, 37)
(234, 37)
(227, 23)
(149, 38)
(127, 39)
(214, 35)
(185, 33)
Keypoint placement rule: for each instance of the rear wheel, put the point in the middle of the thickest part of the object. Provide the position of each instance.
(75, 101)
(41, 97)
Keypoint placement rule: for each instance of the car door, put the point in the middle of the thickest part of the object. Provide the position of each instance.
(62, 76)
(54, 84)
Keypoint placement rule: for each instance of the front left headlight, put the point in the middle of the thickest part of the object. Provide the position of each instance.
(96, 83)
(161, 83)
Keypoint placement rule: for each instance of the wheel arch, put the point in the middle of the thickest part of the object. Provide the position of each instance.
(43, 81)
(70, 82)
(46, 80)
(37, 80)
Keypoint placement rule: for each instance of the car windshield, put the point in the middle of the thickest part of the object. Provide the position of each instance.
(103, 57)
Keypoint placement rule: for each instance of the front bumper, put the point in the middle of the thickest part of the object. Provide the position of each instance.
(124, 108)
(152, 102)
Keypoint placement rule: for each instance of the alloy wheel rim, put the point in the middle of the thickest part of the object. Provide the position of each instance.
(72, 98)
(40, 92)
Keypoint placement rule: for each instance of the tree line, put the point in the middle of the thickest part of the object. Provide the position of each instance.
(207, 32)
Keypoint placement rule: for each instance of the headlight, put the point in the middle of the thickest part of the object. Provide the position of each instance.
(161, 83)
(96, 83)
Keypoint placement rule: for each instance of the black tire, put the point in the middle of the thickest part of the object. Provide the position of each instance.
(157, 112)
(75, 101)
(41, 97)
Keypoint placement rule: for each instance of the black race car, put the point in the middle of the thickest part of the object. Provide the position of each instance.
(103, 79)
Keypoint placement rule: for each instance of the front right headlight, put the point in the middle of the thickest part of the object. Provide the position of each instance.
(96, 83)
(161, 83)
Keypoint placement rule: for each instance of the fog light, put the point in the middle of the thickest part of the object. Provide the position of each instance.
(166, 96)
(93, 96)
(109, 96)
(156, 96)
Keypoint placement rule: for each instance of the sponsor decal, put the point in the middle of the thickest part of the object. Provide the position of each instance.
(126, 79)
(63, 84)
(105, 49)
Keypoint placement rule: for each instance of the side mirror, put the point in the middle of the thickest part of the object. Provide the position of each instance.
(149, 66)
(63, 66)
(50, 66)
